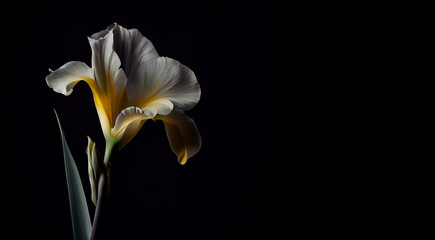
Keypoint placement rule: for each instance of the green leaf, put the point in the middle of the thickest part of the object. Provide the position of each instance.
(81, 222)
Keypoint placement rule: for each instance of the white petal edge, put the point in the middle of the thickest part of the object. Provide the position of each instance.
(126, 117)
(161, 106)
(67, 76)
(131, 114)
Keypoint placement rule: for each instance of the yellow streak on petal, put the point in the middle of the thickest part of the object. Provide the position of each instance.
(126, 117)
(100, 100)
(129, 133)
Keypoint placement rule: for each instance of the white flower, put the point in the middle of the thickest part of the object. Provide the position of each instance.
(131, 83)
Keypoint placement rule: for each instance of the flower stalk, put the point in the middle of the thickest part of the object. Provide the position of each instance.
(103, 192)
(110, 144)
(101, 206)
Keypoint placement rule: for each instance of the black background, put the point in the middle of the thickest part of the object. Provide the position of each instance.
(251, 177)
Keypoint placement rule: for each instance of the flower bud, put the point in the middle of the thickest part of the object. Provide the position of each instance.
(94, 168)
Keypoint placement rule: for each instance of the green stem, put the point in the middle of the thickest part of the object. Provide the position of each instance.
(103, 191)
(96, 227)
(110, 143)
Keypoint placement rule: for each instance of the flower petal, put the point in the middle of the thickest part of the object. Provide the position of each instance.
(130, 120)
(66, 77)
(161, 106)
(129, 133)
(132, 47)
(105, 61)
(126, 117)
(183, 135)
(163, 78)
(110, 78)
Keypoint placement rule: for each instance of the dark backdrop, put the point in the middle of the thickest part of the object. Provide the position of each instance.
(250, 178)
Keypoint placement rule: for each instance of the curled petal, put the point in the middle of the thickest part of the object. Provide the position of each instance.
(163, 78)
(66, 77)
(128, 116)
(130, 120)
(183, 135)
(160, 106)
